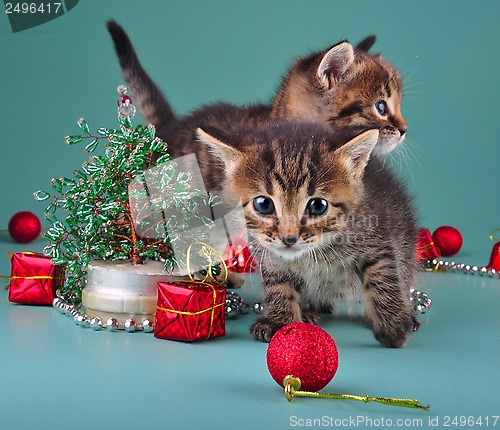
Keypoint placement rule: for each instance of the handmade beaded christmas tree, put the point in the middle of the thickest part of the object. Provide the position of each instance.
(96, 214)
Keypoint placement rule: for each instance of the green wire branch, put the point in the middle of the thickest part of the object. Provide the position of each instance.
(292, 386)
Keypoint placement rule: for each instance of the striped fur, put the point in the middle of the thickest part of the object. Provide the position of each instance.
(361, 248)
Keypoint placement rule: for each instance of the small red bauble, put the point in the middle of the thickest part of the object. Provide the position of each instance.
(24, 227)
(305, 351)
(448, 240)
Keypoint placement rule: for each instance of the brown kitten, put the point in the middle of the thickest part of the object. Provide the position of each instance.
(325, 224)
(348, 89)
(343, 87)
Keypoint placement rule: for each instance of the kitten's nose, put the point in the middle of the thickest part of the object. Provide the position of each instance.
(289, 240)
(399, 123)
(403, 129)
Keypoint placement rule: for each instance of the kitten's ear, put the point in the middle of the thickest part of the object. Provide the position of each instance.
(357, 151)
(334, 64)
(227, 154)
(366, 44)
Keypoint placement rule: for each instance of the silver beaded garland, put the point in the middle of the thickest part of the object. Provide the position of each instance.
(231, 311)
(244, 308)
(112, 324)
(76, 318)
(235, 305)
(147, 326)
(85, 322)
(466, 269)
(96, 323)
(421, 301)
(258, 308)
(130, 325)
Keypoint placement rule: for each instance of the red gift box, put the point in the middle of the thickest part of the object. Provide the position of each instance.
(190, 311)
(426, 250)
(34, 279)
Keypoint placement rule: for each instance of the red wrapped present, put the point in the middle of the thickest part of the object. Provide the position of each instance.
(238, 258)
(495, 258)
(34, 279)
(426, 250)
(190, 311)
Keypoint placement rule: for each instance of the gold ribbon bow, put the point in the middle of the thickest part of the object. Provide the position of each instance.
(208, 251)
(492, 234)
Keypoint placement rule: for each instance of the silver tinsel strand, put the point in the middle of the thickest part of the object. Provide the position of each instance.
(96, 323)
(421, 301)
(466, 269)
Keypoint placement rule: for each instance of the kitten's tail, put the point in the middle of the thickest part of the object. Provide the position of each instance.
(151, 102)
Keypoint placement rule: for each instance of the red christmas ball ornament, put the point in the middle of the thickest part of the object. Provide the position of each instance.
(304, 351)
(303, 359)
(448, 240)
(24, 227)
(238, 257)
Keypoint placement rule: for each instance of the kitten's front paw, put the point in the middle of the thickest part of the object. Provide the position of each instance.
(310, 317)
(395, 336)
(263, 329)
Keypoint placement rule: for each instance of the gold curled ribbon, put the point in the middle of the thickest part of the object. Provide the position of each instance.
(492, 237)
(208, 251)
(436, 267)
(292, 386)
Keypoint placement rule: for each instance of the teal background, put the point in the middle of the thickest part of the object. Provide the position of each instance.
(203, 51)
(199, 52)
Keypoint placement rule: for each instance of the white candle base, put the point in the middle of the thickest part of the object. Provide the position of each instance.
(118, 289)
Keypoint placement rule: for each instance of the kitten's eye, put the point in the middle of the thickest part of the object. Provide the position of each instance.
(263, 205)
(381, 107)
(316, 207)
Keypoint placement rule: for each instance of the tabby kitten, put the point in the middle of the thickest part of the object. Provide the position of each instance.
(345, 88)
(348, 89)
(326, 224)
